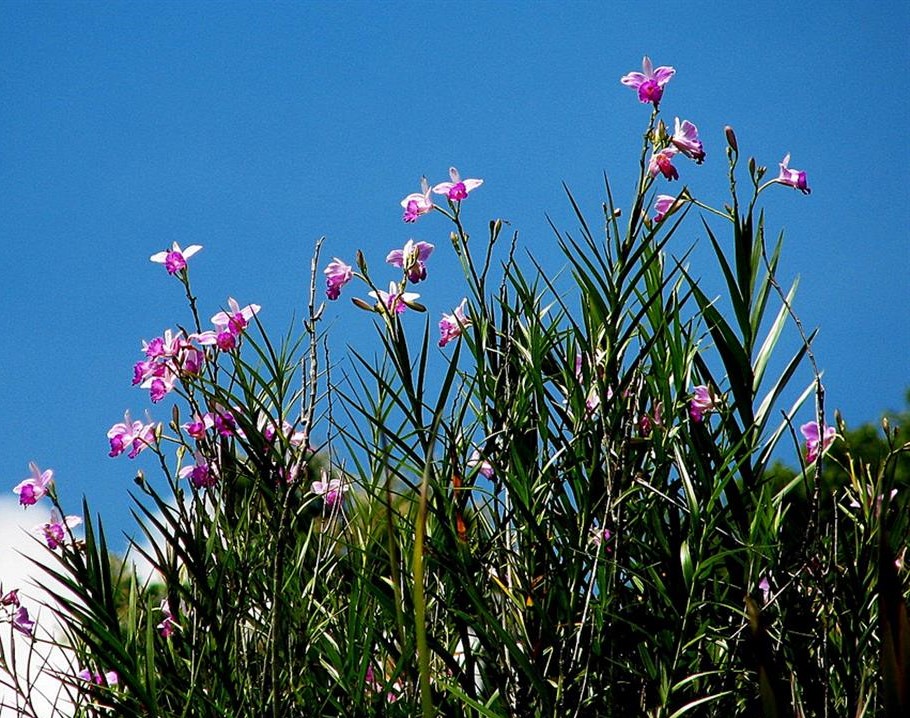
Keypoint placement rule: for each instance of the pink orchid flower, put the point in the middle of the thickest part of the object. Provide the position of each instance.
(228, 326)
(224, 423)
(649, 83)
(191, 360)
(600, 536)
(237, 320)
(452, 325)
(484, 467)
(199, 426)
(457, 189)
(269, 430)
(109, 678)
(337, 274)
(54, 530)
(685, 139)
(166, 346)
(166, 627)
(662, 162)
(201, 473)
(703, 400)
(174, 260)
(132, 434)
(793, 178)
(765, 587)
(161, 385)
(331, 490)
(412, 259)
(22, 622)
(664, 204)
(395, 300)
(815, 443)
(418, 203)
(35, 486)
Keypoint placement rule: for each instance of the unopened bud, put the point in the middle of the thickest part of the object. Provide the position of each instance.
(362, 304)
(495, 229)
(752, 166)
(361, 262)
(731, 138)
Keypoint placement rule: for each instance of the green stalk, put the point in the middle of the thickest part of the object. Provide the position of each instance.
(420, 603)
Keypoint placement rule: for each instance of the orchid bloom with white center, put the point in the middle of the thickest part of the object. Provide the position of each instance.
(174, 260)
(35, 486)
(457, 189)
(650, 82)
(394, 300)
(418, 203)
(412, 259)
(54, 530)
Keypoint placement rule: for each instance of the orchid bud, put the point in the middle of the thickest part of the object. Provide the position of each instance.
(731, 138)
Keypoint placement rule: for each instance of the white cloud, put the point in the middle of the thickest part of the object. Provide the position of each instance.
(37, 663)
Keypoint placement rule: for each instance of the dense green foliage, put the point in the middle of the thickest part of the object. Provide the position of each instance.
(530, 522)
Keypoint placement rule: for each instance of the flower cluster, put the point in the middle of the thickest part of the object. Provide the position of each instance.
(167, 358)
(650, 84)
(419, 203)
(54, 531)
(412, 259)
(133, 435)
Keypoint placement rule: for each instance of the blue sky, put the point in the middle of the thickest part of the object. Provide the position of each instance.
(254, 129)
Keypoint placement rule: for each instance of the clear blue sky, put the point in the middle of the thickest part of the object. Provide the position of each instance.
(255, 128)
